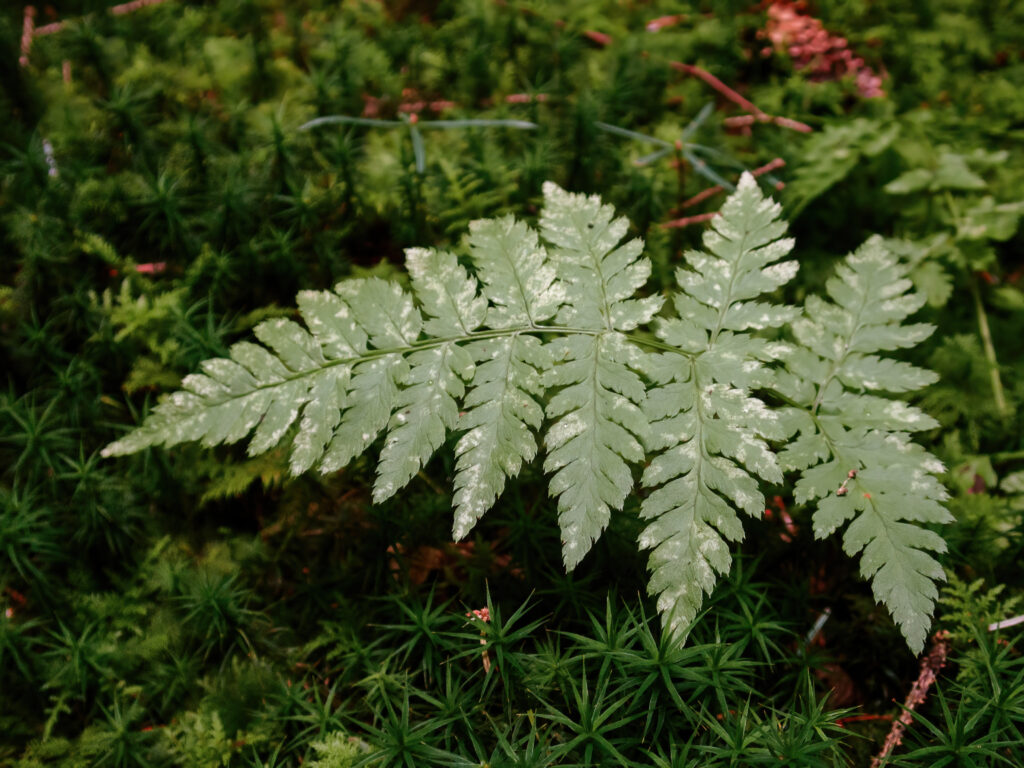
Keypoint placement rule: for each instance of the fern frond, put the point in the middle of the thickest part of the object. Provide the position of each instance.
(854, 451)
(711, 433)
(549, 328)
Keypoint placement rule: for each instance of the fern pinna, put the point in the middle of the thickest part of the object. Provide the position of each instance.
(548, 337)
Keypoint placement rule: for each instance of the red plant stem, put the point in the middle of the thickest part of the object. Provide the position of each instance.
(739, 121)
(742, 121)
(118, 10)
(721, 87)
(930, 667)
(49, 29)
(28, 26)
(770, 166)
(412, 107)
(688, 220)
(796, 125)
(30, 30)
(525, 98)
(703, 195)
(660, 23)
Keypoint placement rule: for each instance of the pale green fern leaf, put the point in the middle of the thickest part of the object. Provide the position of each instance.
(711, 433)
(517, 276)
(502, 410)
(447, 294)
(340, 338)
(597, 430)
(425, 411)
(371, 398)
(221, 404)
(328, 390)
(384, 311)
(501, 418)
(549, 333)
(597, 414)
(331, 321)
(599, 274)
(857, 459)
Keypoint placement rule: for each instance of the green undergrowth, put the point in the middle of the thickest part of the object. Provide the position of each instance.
(199, 607)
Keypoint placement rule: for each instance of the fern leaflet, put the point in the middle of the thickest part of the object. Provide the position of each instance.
(854, 451)
(711, 433)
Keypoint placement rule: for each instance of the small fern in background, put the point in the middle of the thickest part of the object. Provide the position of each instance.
(548, 342)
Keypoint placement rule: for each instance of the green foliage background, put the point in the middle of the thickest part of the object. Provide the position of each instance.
(192, 607)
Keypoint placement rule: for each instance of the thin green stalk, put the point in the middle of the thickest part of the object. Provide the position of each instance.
(990, 350)
(986, 335)
(1008, 456)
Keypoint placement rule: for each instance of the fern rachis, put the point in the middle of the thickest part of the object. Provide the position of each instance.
(546, 343)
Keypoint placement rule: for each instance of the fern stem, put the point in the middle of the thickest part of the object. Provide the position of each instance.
(375, 354)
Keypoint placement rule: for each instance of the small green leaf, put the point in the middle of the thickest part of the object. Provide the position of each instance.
(909, 182)
(952, 173)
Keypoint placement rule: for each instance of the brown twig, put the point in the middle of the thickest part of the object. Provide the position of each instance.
(600, 38)
(49, 29)
(660, 23)
(930, 667)
(795, 125)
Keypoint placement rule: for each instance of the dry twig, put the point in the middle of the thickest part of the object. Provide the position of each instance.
(930, 667)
